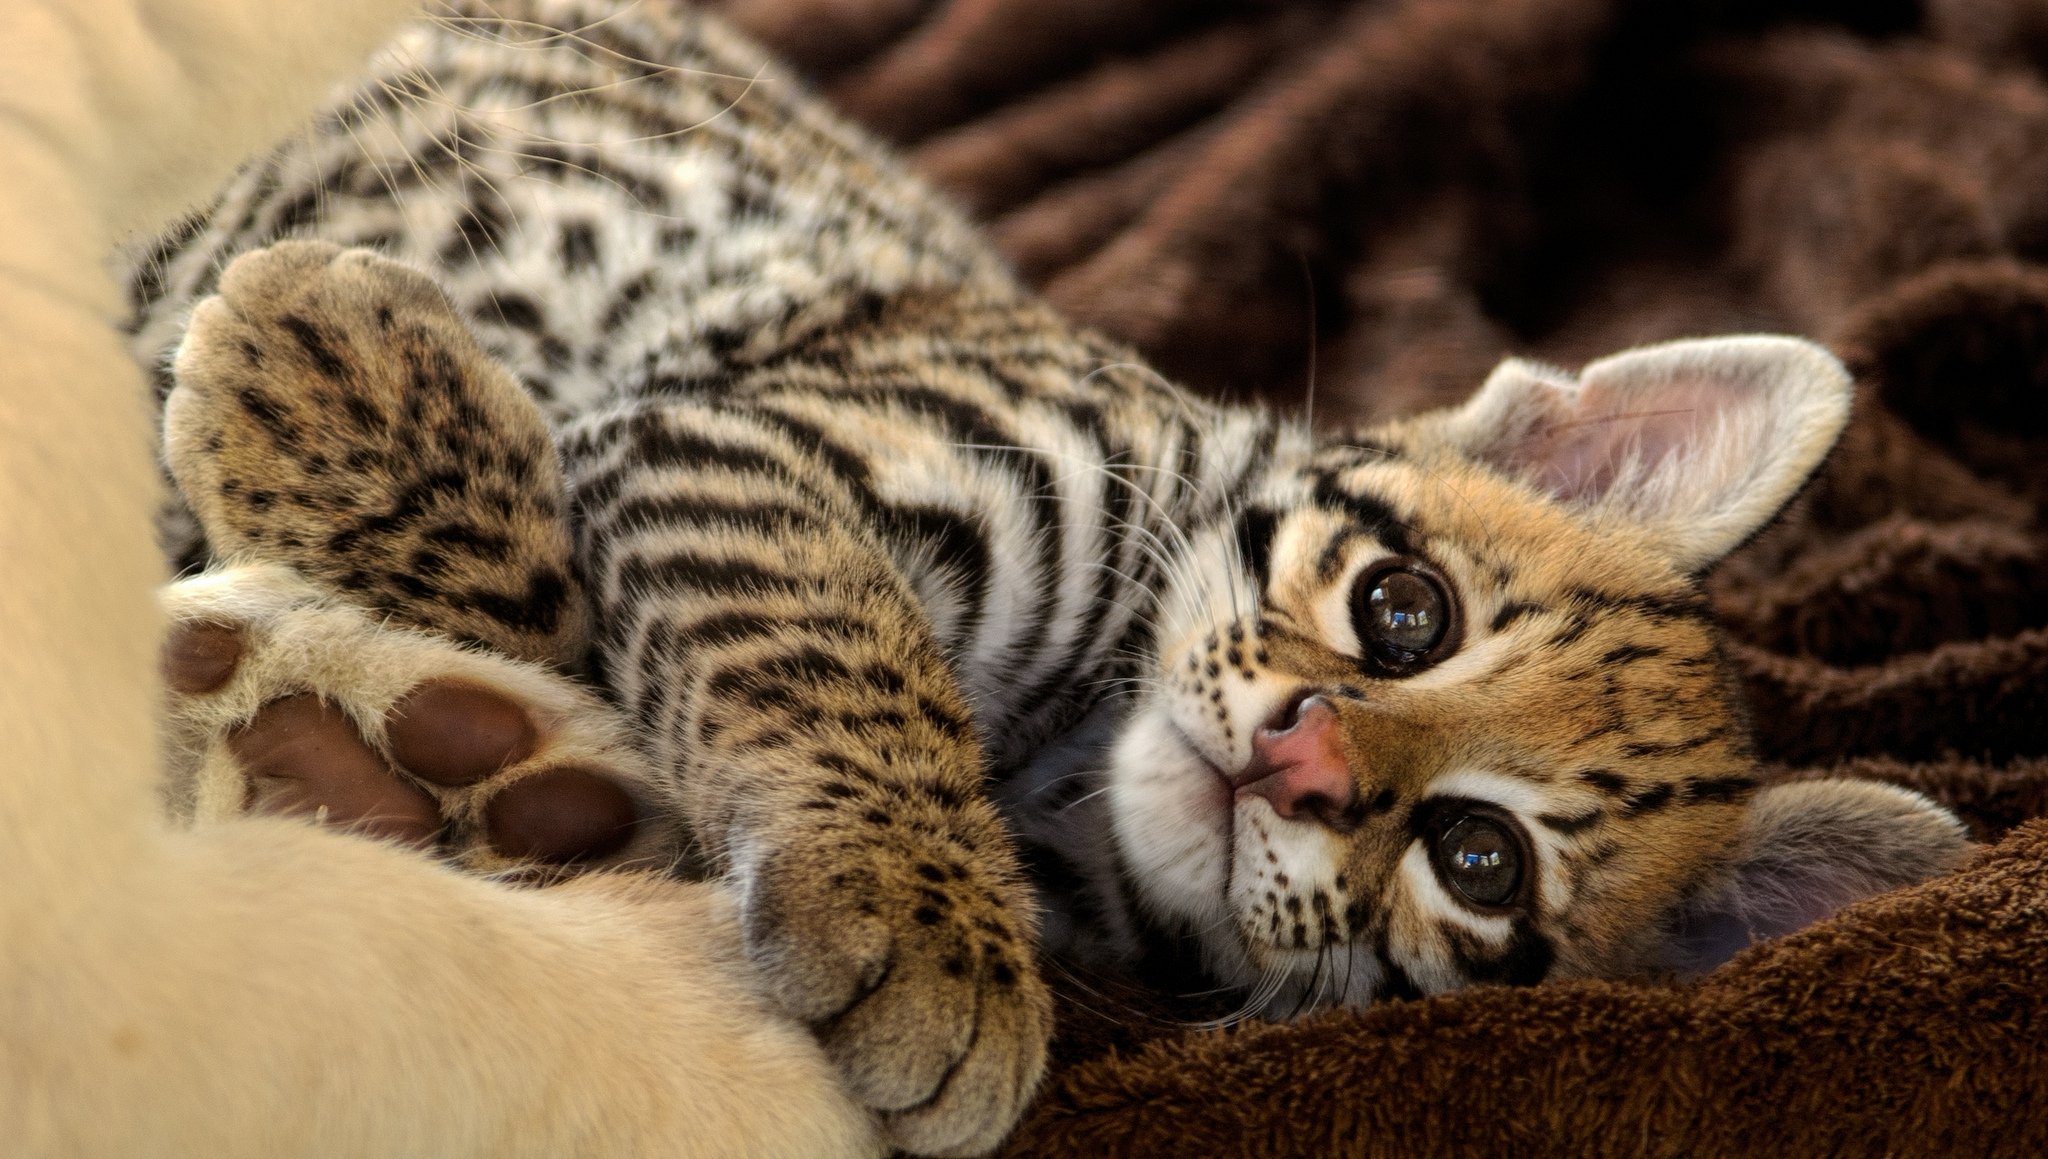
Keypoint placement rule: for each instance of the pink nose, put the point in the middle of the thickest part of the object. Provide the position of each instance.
(1298, 763)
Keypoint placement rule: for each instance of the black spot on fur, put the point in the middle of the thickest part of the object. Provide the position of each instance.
(270, 414)
(1611, 783)
(318, 352)
(723, 341)
(474, 540)
(1648, 800)
(515, 310)
(1571, 632)
(556, 353)
(1628, 653)
(479, 231)
(368, 419)
(579, 246)
(624, 303)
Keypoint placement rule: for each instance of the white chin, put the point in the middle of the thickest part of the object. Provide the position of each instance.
(1171, 814)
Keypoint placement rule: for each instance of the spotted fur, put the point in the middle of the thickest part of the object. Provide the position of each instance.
(867, 530)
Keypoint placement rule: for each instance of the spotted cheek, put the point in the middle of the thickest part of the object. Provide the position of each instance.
(1221, 690)
(1286, 890)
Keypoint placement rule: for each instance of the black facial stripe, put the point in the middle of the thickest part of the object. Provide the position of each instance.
(1648, 800)
(1572, 823)
(1394, 981)
(1606, 780)
(1571, 632)
(1672, 748)
(1729, 789)
(1277, 627)
(1688, 606)
(1369, 513)
(1331, 559)
(1255, 528)
(1515, 611)
(1525, 962)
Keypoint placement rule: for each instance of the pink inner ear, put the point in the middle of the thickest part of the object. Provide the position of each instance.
(1577, 453)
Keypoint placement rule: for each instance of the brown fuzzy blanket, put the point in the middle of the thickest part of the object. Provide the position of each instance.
(1374, 200)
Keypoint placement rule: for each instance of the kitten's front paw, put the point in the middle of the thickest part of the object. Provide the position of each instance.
(285, 701)
(915, 966)
(335, 414)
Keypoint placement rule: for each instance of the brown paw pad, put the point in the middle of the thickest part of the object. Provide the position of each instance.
(560, 816)
(199, 657)
(304, 757)
(455, 734)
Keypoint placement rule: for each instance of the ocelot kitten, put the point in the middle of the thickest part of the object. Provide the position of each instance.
(701, 398)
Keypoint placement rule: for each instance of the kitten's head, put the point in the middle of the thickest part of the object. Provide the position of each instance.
(1446, 704)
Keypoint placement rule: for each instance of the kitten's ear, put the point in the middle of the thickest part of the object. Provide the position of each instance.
(1805, 850)
(1699, 442)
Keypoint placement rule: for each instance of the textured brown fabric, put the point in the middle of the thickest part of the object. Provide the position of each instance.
(1382, 197)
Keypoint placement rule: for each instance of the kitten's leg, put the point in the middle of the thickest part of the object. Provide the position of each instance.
(334, 421)
(781, 662)
(883, 897)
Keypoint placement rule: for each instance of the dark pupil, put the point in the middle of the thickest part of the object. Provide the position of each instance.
(1407, 612)
(1481, 861)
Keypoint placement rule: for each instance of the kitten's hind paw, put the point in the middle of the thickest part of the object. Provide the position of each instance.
(285, 701)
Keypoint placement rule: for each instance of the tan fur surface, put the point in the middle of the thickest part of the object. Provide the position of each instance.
(242, 988)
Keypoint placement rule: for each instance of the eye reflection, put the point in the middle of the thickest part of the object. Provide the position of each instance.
(1402, 616)
(1481, 860)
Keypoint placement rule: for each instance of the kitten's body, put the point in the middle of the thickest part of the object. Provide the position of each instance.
(708, 238)
(865, 527)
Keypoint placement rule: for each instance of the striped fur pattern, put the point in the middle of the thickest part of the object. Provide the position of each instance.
(866, 530)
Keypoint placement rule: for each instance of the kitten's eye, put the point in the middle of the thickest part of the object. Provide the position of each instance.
(1402, 615)
(1481, 860)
